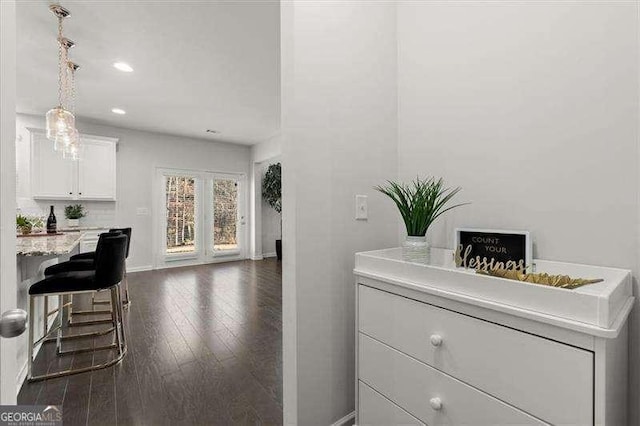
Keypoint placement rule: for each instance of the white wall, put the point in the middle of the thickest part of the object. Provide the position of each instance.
(8, 360)
(533, 109)
(339, 140)
(267, 150)
(139, 155)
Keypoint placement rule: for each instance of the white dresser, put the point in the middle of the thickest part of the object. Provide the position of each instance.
(440, 345)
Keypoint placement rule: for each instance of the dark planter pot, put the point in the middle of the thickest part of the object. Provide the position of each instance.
(279, 249)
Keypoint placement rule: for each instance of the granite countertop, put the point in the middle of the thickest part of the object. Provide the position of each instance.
(85, 228)
(53, 245)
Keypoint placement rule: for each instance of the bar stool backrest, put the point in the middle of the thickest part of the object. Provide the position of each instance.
(101, 239)
(110, 260)
(127, 232)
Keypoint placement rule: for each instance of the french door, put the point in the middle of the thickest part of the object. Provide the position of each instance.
(227, 219)
(203, 215)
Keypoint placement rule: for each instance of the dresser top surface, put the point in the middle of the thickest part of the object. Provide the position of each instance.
(598, 305)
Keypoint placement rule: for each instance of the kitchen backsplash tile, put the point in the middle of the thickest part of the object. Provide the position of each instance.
(99, 213)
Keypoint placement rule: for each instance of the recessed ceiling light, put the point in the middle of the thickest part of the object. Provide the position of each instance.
(123, 66)
(118, 111)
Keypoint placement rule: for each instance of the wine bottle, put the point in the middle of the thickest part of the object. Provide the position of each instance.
(52, 223)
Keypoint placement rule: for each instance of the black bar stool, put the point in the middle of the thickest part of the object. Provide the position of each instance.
(86, 263)
(91, 255)
(108, 274)
(78, 263)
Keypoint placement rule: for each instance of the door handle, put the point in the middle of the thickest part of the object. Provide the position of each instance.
(13, 323)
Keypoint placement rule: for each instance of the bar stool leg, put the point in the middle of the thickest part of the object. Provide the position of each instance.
(31, 326)
(68, 302)
(60, 319)
(127, 300)
(70, 312)
(120, 308)
(46, 316)
(114, 317)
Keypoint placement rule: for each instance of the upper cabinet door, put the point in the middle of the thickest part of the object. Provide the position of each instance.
(52, 177)
(97, 170)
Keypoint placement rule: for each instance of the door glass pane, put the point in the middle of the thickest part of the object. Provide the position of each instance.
(225, 214)
(181, 214)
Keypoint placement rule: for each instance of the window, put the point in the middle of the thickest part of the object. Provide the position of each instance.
(181, 218)
(200, 216)
(225, 214)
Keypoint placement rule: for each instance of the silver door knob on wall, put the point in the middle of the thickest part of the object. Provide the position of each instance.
(13, 323)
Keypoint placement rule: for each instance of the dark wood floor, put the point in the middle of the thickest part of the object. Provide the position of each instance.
(205, 347)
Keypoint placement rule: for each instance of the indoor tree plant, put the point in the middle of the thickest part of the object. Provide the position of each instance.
(271, 193)
(74, 213)
(420, 203)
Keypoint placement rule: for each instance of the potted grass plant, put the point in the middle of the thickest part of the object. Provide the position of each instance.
(420, 203)
(23, 224)
(74, 213)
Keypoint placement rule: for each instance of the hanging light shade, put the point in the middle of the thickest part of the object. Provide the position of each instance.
(59, 123)
(62, 140)
(72, 151)
(59, 120)
(72, 146)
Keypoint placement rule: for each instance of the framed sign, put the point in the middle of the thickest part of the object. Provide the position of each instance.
(473, 246)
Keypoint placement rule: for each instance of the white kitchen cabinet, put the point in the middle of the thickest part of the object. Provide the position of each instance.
(97, 171)
(52, 177)
(491, 351)
(93, 177)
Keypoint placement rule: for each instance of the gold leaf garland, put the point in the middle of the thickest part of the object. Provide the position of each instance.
(560, 281)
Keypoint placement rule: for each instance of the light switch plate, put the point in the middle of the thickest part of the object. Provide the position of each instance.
(362, 207)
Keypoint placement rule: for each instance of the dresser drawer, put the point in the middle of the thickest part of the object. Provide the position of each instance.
(549, 380)
(376, 410)
(419, 389)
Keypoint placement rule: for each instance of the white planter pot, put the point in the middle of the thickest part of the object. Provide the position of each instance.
(73, 223)
(416, 249)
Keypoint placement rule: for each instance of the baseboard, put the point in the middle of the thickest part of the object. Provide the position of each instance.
(348, 419)
(272, 254)
(197, 262)
(257, 257)
(139, 268)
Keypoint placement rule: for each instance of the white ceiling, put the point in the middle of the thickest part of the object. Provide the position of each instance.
(197, 65)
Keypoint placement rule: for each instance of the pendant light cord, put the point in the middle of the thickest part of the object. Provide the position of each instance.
(72, 70)
(61, 63)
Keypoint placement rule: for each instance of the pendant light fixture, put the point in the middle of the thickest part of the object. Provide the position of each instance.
(60, 121)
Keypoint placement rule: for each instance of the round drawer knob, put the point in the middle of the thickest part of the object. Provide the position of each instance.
(436, 403)
(436, 339)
